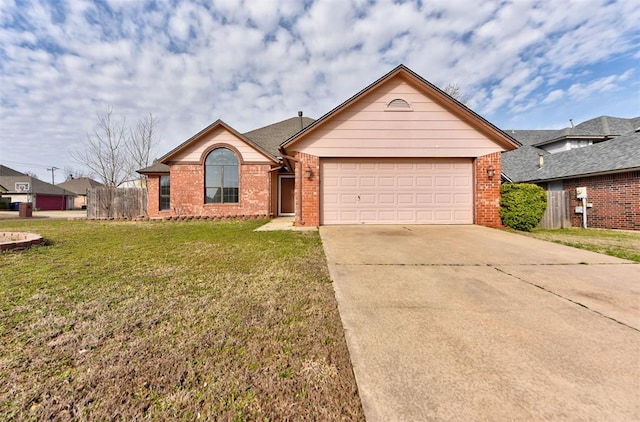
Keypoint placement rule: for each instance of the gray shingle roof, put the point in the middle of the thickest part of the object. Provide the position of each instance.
(79, 185)
(37, 186)
(156, 167)
(6, 171)
(270, 137)
(620, 153)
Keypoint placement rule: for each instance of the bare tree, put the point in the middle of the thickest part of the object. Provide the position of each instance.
(73, 173)
(455, 91)
(113, 151)
(142, 142)
(31, 174)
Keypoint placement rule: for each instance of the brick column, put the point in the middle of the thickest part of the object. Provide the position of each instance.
(307, 190)
(153, 195)
(487, 203)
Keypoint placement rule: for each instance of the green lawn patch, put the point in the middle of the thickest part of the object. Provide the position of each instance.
(622, 244)
(170, 321)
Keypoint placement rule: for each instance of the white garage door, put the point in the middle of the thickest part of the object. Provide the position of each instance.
(397, 191)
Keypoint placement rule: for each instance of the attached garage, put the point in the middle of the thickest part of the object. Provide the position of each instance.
(396, 191)
(400, 151)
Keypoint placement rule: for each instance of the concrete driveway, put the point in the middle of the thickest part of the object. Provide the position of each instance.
(470, 323)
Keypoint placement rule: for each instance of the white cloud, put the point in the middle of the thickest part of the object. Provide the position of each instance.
(252, 62)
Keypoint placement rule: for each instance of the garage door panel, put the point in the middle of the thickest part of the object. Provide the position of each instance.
(405, 199)
(386, 181)
(367, 181)
(387, 198)
(388, 191)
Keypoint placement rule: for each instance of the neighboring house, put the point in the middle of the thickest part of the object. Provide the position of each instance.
(601, 154)
(400, 151)
(43, 195)
(79, 186)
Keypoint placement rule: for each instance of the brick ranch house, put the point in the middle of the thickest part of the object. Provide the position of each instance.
(400, 151)
(601, 154)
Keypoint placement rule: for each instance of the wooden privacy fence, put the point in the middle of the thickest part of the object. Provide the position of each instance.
(558, 213)
(105, 202)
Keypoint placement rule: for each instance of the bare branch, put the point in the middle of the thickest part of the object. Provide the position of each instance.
(114, 151)
(105, 152)
(455, 91)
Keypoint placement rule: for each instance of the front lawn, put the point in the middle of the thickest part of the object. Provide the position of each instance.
(170, 320)
(623, 244)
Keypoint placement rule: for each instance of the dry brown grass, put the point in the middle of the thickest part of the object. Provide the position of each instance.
(166, 321)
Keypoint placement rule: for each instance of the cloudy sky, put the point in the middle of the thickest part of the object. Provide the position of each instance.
(525, 64)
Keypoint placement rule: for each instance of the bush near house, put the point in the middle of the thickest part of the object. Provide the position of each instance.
(522, 205)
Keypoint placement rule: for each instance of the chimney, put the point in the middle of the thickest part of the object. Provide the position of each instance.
(540, 160)
(301, 122)
(571, 121)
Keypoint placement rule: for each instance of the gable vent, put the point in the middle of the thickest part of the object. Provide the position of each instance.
(399, 104)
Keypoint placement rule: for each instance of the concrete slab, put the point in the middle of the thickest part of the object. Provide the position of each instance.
(10, 215)
(283, 223)
(611, 291)
(438, 331)
(453, 245)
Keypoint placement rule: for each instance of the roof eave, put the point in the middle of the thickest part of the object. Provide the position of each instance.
(565, 137)
(575, 176)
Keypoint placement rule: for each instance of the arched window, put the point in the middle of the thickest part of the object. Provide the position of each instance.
(221, 177)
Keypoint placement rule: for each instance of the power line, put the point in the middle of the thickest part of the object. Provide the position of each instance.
(53, 172)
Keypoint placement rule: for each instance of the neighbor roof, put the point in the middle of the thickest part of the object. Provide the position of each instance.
(6, 171)
(445, 100)
(599, 127)
(617, 154)
(38, 187)
(79, 185)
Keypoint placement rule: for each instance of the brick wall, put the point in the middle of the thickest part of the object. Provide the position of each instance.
(615, 199)
(153, 195)
(487, 198)
(308, 213)
(187, 193)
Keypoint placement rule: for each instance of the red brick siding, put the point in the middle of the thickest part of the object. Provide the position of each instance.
(153, 198)
(187, 193)
(487, 195)
(308, 213)
(615, 199)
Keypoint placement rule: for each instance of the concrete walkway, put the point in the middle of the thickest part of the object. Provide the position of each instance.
(10, 215)
(469, 323)
(283, 223)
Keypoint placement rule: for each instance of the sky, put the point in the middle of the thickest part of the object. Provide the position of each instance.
(525, 64)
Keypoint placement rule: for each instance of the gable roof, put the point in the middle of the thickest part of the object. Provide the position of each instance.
(270, 137)
(79, 185)
(38, 187)
(6, 171)
(619, 153)
(213, 126)
(602, 127)
(441, 97)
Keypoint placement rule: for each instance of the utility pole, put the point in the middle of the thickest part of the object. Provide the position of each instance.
(53, 171)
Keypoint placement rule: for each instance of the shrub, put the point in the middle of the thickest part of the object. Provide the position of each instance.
(522, 205)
